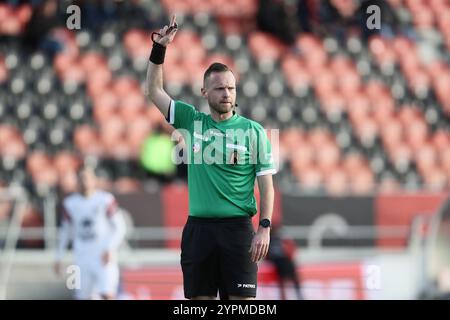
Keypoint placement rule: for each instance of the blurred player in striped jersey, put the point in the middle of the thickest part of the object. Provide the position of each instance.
(97, 228)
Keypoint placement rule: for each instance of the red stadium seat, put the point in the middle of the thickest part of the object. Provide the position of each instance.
(154, 116)
(295, 72)
(120, 150)
(333, 103)
(349, 84)
(435, 179)
(402, 45)
(302, 157)
(136, 132)
(328, 158)
(126, 185)
(105, 106)
(32, 218)
(23, 14)
(173, 6)
(175, 74)
(400, 153)
(383, 110)
(392, 133)
(111, 131)
(408, 114)
(292, 138)
(10, 26)
(319, 137)
(14, 148)
(273, 48)
(63, 60)
(3, 70)
(416, 134)
(104, 183)
(388, 185)
(444, 159)
(11, 142)
(86, 140)
(375, 89)
(123, 85)
(101, 75)
(68, 182)
(441, 140)
(366, 129)
(336, 182)
(66, 161)
(316, 63)
(7, 132)
(311, 178)
(362, 182)
(37, 160)
(92, 60)
(134, 40)
(5, 205)
(307, 43)
(73, 73)
(423, 18)
(426, 159)
(353, 162)
(5, 10)
(132, 103)
(45, 176)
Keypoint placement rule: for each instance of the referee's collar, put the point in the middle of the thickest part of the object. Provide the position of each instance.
(224, 121)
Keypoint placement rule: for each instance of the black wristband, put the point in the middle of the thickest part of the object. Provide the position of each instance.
(158, 53)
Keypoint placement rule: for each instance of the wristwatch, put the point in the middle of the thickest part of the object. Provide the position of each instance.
(265, 223)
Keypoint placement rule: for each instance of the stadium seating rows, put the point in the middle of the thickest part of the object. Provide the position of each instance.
(354, 118)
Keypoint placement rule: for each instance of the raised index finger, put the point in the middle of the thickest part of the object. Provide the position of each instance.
(173, 21)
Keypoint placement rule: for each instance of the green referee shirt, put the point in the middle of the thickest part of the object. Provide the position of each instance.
(223, 160)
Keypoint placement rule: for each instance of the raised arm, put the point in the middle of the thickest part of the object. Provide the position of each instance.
(154, 86)
(63, 241)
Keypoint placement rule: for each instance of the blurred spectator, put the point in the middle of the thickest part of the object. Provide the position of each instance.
(279, 17)
(337, 17)
(96, 12)
(282, 255)
(388, 18)
(133, 15)
(308, 15)
(130, 14)
(39, 31)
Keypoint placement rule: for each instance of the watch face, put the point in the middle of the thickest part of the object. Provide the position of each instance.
(265, 223)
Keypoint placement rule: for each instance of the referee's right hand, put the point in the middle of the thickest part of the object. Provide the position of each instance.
(166, 34)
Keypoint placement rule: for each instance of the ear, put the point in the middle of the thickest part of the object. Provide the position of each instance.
(204, 93)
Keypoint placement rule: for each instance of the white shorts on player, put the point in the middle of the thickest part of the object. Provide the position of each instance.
(97, 280)
(97, 228)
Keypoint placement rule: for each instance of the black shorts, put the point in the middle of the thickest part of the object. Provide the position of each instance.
(215, 256)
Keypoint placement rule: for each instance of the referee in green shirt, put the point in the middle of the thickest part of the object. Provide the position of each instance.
(225, 152)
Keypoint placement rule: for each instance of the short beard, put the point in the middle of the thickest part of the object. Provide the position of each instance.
(219, 109)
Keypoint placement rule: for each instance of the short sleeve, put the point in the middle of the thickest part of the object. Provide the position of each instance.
(111, 205)
(264, 162)
(181, 114)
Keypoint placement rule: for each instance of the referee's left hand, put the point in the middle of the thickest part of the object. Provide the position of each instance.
(260, 244)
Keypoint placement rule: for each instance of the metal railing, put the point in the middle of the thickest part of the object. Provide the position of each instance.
(11, 235)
